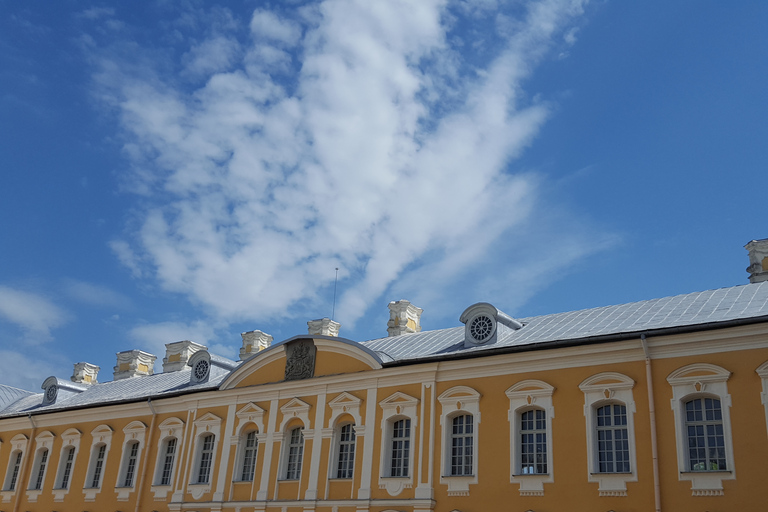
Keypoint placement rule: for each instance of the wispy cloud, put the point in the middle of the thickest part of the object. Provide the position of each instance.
(33, 314)
(152, 337)
(371, 136)
(95, 295)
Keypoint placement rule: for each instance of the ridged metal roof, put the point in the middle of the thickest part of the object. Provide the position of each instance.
(682, 311)
(712, 306)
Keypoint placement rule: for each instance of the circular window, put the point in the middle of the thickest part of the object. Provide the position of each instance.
(51, 392)
(201, 370)
(481, 328)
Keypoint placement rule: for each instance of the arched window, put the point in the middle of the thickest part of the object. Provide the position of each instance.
(401, 447)
(39, 473)
(295, 453)
(66, 472)
(462, 445)
(533, 442)
(13, 471)
(249, 446)
(205, 459)
(346, 453)
(612, 439)
(132, 453)
(704, 432)
(168, 454)
(99, 455)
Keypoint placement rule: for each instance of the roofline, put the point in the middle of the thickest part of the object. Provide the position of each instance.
(589, 340)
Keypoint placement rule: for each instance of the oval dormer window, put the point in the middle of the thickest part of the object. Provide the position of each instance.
(201, 369)
(481, 328)
(50, 393)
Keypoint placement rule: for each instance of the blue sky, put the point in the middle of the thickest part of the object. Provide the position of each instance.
(185, 170)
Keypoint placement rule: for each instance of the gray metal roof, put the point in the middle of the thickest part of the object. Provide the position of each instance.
(693, 309)
(123, 390)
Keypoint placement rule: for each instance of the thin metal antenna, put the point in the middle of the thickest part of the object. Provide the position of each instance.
(335, 281)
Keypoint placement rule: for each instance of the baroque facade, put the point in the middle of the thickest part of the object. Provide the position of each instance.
(655, 405)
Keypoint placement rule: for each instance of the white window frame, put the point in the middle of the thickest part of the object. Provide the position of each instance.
(345, 409)
(206, 424)
(294, 430)
(338, 445)
(396, 407)
(701, 380)
(70, 440)
(243, 449)
(295, 414)
(524, 396)
(42, 461)
(18, 446)
(101, 435)
(170, 428)
(599, 390)
(134, 433)
(454, 402)
(250, 418)
(762, 371)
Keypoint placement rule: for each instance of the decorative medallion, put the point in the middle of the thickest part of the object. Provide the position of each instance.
(300, 359)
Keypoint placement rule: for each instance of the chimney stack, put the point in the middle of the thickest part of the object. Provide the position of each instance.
(404, 318)
(254, 341)
(134, 363)
(85, 373)
(323, 327)
(758, 260)
(178, 353)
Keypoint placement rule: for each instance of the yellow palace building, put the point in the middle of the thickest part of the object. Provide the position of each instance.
(654, 405)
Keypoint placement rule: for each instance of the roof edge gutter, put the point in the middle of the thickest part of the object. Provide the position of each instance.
(589, 340)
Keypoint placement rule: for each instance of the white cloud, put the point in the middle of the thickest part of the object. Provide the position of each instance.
(33, 314)
(95, 295)
(153, 337)
(24, 371)
(377, 145)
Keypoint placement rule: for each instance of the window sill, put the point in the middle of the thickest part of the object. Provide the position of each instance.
(342, 479)
(517, 475)
(612, 473)
(707, 472)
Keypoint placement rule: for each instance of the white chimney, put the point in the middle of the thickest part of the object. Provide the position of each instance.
(323, 327)
(134, 363)
(254, 341)
(404, 317)
(85, 373)
(178, 353)
(758, 260)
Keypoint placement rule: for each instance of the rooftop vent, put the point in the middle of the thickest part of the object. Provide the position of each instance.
(323, 327)
(178, 353)
(758, 260)
(134, 363)
(85, 373)
(254, 341)
(57, 390)
(485, 325)
(404, 318)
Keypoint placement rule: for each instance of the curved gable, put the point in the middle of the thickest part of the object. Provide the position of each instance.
(326, 355)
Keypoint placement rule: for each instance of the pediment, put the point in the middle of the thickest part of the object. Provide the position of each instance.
(458, 392)
(345, 399)
(399, 398)
(171, 423)
(135, 426)
(250, 411)
(530, 387)
(44, 436)
(102, 430)
(607, 381)
(699, 372)
(71, 433)
(295, 405)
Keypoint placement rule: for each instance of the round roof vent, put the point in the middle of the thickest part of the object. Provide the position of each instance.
(50, 393)
(201, 366)
(201, 370)
(481, 328)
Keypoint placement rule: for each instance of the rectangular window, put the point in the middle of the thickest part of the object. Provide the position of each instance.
(15, 472)
(401, 446)
(295, 454)
(706, 442)
(170, 453)
(206, 459)
(249, 457)
(68, 467)
(346, 460)
(41, 470)
(130, 468)
(461, 445)
(612, 439)
(99, 465)
(533, 442)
